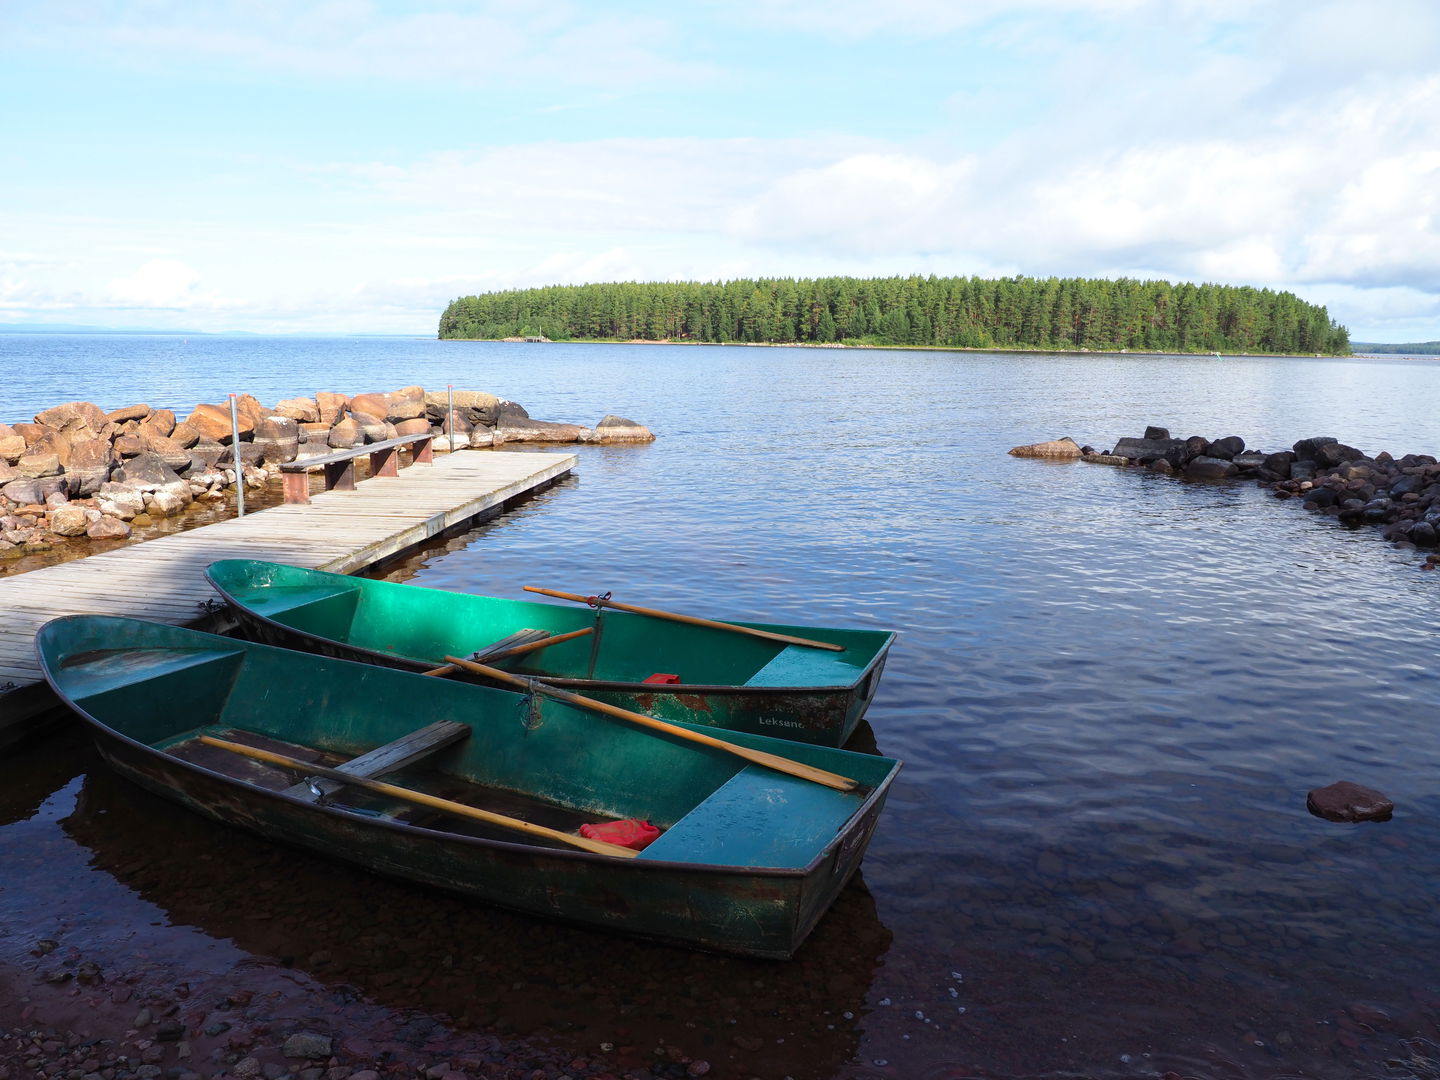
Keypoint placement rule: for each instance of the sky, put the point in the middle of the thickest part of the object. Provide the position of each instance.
(351, 166)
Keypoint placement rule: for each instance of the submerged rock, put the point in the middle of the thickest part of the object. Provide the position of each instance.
(1065, 447)
(1344, 801)
(617, 429)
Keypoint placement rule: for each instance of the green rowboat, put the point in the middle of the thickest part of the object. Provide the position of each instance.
(726, 679)
(748, 859)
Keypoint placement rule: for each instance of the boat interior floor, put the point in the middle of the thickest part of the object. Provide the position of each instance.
(417, 777)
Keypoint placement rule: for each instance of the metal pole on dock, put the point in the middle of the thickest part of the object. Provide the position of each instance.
(235, 452)
(450, 415)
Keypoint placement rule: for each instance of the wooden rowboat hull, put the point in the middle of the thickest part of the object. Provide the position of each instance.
(749, 861)
(728, 680)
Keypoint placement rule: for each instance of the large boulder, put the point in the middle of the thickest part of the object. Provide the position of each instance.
(160, 421)
(73, 414)
(169, 500)
(345, 434)
(370, 404)
(1332, 454)
(147, 472)
(1227, 448)
(44, 458)
(1147, 450)
(89, 467)
(459, 424)
(474, 405)
(418, 426)
(203, 455)
(1306, 449)
(67, 521)
(617, 429)
(373, 430)
(1056, 448)
(407, 403)
(107, 528)
(1210, 468)
(31, 491)
(277, 438)
(12, 444)
(120, 501)
(332, 406)
(214, 423)
(250, 410)
(166, 449)
(32, 433)
(301, 410)
(1279, 464)
(184, 435)
(129, 412)
(526, 430)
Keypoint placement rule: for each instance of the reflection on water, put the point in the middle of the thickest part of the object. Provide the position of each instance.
(1112, 693)
(418, 951)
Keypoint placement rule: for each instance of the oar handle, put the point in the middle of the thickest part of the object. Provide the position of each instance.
(760, 757)
(656, 613)
(420, 797)
(543, 643)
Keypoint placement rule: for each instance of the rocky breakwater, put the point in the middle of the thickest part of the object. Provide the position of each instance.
(78, 472)
(1400, 495)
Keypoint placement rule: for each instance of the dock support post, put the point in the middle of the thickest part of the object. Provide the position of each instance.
(235, 452)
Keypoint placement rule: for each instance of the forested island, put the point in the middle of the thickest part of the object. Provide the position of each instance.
(954, 312)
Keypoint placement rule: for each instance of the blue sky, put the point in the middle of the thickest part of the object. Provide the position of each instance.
(351, 166)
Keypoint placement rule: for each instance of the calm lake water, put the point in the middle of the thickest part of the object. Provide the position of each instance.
(1112, 692)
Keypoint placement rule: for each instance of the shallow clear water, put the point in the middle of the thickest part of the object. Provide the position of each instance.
(1112, 692)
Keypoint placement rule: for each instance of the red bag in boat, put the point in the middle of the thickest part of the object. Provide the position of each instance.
(661, 677)
(631, 833)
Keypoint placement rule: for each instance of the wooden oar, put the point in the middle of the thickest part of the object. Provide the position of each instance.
(541, 644)
(407, 795)
(600, 601)
(760, 757)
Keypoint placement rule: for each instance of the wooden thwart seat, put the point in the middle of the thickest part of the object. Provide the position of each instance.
(391, 757)
(340, 466)
(505, 644)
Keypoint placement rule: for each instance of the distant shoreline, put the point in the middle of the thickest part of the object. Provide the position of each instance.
(902, 348)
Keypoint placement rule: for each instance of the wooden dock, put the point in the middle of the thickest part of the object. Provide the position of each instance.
(340, 531)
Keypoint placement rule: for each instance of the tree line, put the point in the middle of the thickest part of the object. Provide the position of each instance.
(966, 312)
(1422, 348)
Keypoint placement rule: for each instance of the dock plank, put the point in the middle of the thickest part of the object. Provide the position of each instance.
(340, 531)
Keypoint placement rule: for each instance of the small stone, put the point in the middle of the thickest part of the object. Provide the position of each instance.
(307, 1044)
(1344, 801)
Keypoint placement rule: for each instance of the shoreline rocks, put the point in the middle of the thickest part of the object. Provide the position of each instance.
(1399, 495)
(79, 472)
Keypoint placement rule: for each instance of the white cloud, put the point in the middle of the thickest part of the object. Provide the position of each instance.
(481, 42)
(862, 18)
(164, 283)
(659, 184)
